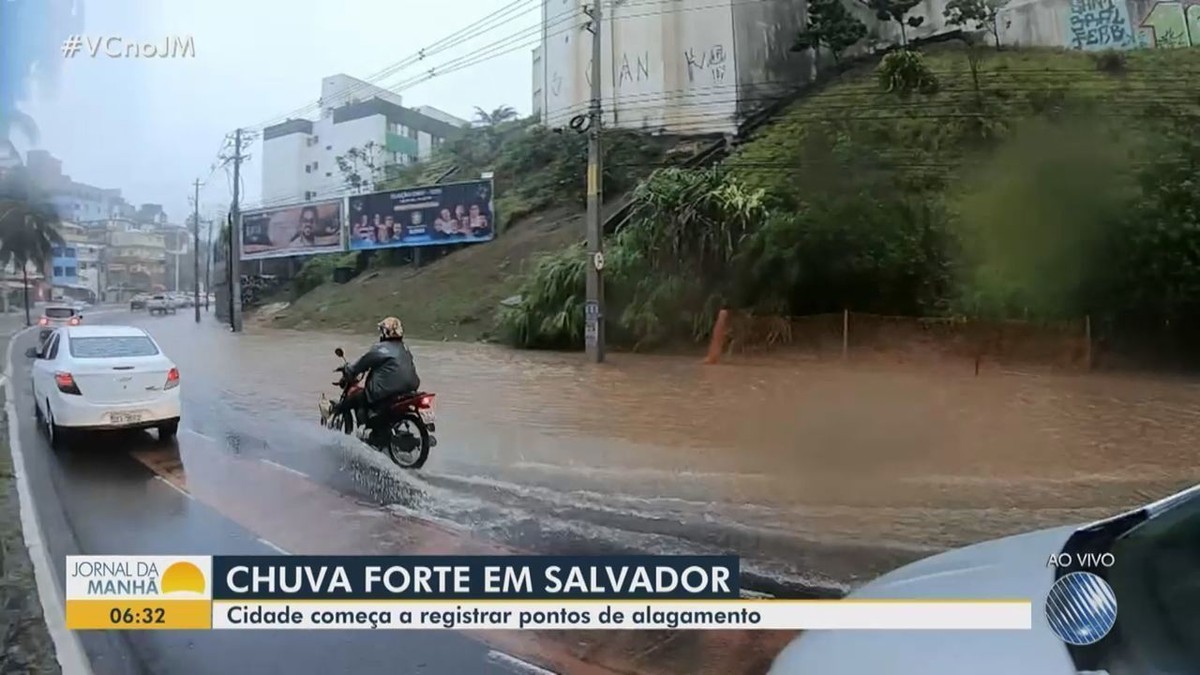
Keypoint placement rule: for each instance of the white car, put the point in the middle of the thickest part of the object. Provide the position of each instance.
(160, 304)
(1154, 576)
(104, 377)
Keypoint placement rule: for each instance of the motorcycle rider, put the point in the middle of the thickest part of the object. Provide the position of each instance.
(389, 367)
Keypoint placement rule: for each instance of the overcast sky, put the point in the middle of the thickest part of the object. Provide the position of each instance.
(151, 127)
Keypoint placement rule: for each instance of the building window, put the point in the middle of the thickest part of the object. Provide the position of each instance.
(329, 147)
(314, 166)
(58, 271)
(70, 272)
(328, 174)
(70, 253)
(307, 168)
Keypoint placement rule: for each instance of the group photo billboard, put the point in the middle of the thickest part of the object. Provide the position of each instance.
(301, 229)
(454, 213)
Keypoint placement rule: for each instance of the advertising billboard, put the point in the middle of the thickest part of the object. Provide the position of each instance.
(453, 213)
(300, 229)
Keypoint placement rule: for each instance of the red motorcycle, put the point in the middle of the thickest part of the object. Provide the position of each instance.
(402, 427)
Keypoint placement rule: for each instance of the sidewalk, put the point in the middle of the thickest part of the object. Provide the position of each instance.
(25, 644)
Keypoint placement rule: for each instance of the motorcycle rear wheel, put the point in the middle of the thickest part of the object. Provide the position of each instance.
(401, 435)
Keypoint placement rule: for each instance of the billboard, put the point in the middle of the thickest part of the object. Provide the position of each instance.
(300, 229)
(453, 213)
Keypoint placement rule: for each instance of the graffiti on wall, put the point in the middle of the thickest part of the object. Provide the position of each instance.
(707, 64)
(1094, 25)
(1172, 24)
(635, 70)
(1100, 24)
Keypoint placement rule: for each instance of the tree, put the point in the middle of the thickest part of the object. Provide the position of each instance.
(897, 10)
(832, 26)
(978, 14)
(490, 119)
(28, 228)
(362, 168)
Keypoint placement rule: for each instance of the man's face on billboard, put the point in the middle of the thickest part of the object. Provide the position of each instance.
(308, 222)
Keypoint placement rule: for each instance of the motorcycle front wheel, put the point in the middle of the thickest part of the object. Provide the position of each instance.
(409, 443)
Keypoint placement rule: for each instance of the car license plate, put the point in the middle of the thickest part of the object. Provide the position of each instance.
(427, 416)
(125, 418)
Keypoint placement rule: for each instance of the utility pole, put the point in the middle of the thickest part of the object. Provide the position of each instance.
(196, 254)
(594, 307)
(235, 238)
(208, 259)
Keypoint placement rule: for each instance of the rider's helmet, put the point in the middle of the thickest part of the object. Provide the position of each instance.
(391, 329)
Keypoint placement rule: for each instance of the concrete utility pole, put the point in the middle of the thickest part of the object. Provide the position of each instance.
(196, 254)
(235, 239)
(594, 308)
(208, 258)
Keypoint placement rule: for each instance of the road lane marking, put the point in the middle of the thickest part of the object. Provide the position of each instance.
(68, 650)
(516, 665)
(174, 487)
(289, 469)
(270, 545)
(197, 433)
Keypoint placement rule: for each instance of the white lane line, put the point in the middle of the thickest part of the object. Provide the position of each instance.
(68, 649)
(268, 544)
(175, 487)
(516, 665)
(289, 469)
(193, 432)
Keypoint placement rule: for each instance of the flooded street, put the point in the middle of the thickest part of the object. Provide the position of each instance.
(820, 475)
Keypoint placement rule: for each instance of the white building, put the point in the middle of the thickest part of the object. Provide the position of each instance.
(300, 155)
(689, 67)
(539, 72)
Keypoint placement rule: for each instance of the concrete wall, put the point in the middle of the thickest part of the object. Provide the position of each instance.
(1090, 25)
(687, 66)
(763, 35)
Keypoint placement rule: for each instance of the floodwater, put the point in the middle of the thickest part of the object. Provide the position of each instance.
(820, 474)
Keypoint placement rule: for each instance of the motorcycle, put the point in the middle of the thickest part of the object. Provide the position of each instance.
(402, 427)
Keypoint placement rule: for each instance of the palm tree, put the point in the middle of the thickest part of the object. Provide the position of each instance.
(502, 114)
(28, 228)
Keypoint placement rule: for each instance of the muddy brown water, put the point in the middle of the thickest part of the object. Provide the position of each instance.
(817, 471)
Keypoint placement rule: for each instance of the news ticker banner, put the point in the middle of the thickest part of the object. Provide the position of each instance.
(474, 592)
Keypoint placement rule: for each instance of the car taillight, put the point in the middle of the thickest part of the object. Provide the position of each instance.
(172, 379)
(74, 321)
(43, 321)
(425, 401)
(66, 383)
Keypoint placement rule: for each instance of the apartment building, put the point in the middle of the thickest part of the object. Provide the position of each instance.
(300, 155)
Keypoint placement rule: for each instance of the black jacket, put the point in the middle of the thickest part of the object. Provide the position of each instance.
(390, 370)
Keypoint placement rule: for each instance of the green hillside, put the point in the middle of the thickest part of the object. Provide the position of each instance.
(1048, 184)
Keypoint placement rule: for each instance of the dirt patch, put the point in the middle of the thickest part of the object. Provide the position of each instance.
(454, 298)
(26, 644)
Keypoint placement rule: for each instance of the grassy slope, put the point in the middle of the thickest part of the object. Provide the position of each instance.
(454, 298)
(923, 135)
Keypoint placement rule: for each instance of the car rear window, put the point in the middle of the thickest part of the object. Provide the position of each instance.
(112, 347)
(60, 312)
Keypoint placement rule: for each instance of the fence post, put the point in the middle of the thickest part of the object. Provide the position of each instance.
(719, 334)
(845, 334)
(1087, 336)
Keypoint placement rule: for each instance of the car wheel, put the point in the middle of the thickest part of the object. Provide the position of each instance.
(54, 433)
(168, 431)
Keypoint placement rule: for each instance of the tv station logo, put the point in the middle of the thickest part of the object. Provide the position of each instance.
(139, 592)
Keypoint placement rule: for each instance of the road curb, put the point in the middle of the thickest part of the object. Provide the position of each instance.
(68, 650)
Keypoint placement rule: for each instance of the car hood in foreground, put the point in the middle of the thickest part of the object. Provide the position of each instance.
(1010, 568)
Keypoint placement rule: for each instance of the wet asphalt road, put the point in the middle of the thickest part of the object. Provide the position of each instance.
(98, 499)
(820, 475)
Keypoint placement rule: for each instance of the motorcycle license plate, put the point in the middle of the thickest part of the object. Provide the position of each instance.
(427, 416)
